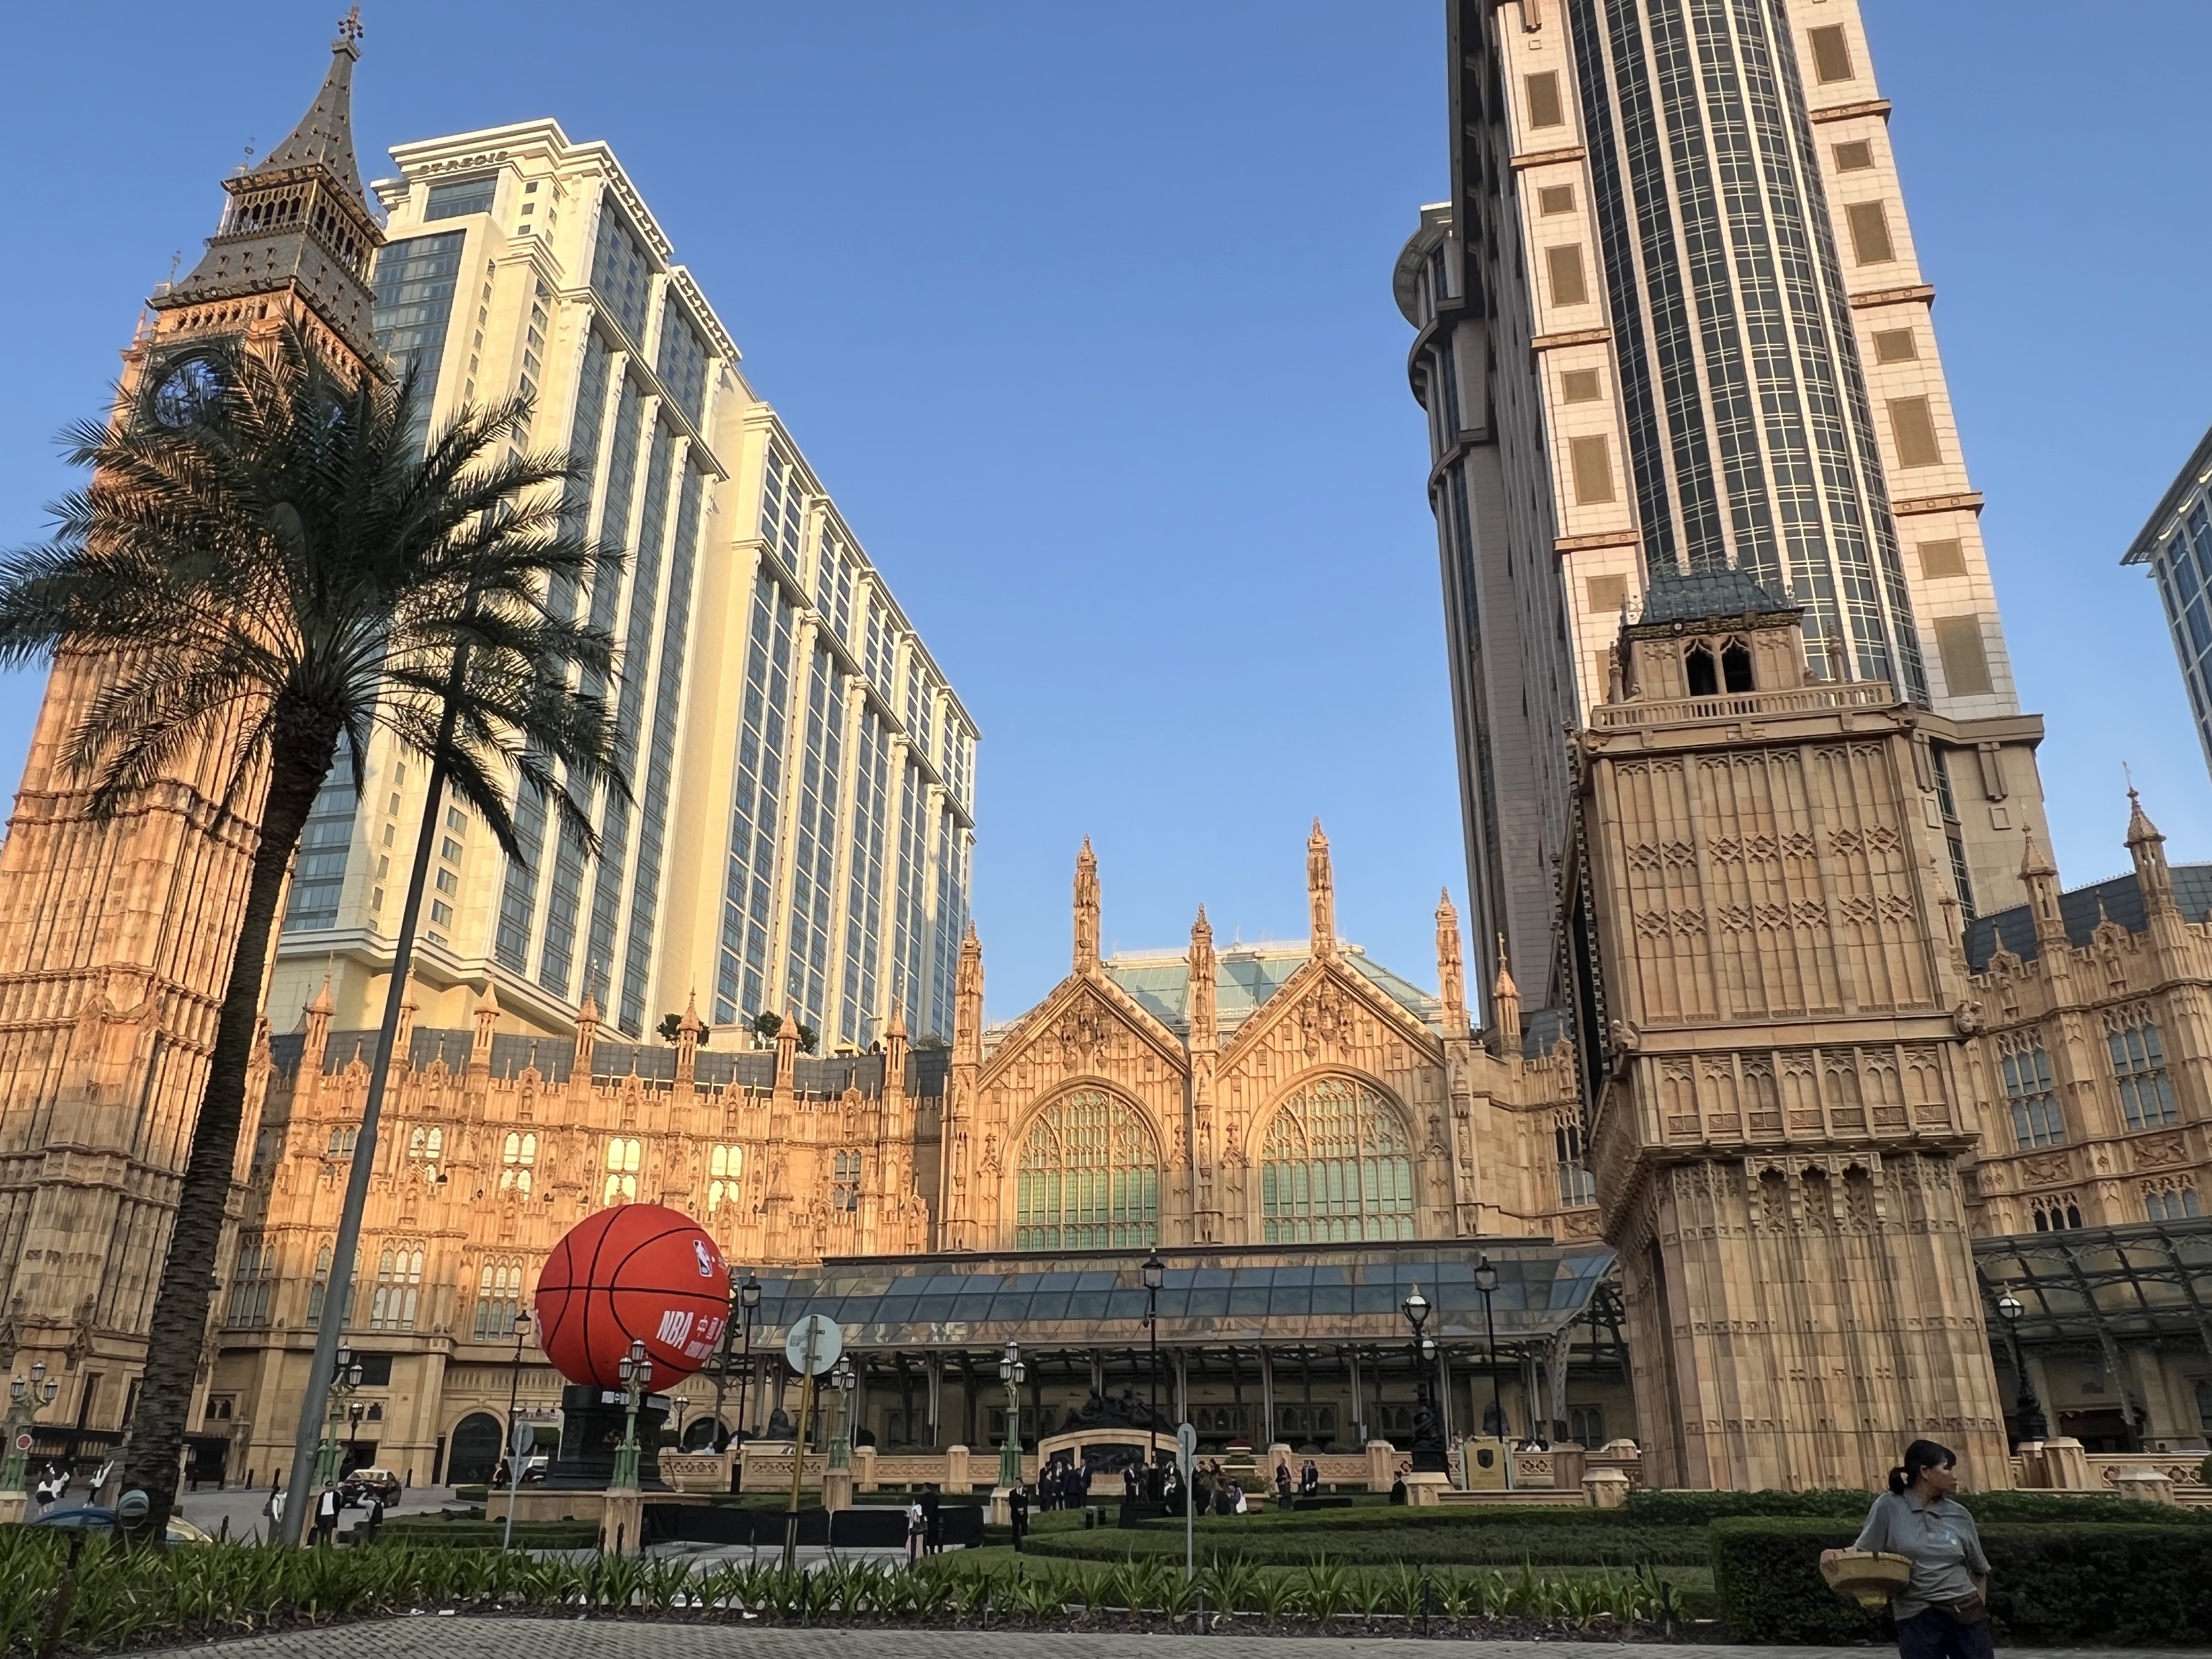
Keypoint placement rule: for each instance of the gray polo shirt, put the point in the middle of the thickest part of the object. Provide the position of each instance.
(1940, 1541)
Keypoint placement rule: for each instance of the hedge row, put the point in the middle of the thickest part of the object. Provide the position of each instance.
(1603, 1542)
(2114, 1584)
(1696, 1509)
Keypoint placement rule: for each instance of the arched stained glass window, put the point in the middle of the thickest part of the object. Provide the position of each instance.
(1336, 1167)
(1089, 1177)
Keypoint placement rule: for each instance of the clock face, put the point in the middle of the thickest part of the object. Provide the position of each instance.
(185, 392)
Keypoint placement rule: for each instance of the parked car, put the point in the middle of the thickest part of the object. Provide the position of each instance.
(91, 1517)
(357, 1487)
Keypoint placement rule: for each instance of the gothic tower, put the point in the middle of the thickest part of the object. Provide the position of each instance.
(1783, 1091)
(116, 934)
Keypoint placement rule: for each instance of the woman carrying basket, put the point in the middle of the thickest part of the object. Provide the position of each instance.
(1942, 1612)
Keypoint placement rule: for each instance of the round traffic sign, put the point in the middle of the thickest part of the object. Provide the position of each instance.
(22, 1443)
(813, 1345)
(1187, 1442)
(524, 1437)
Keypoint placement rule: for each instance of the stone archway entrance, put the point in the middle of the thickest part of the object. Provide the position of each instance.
(478, 1443)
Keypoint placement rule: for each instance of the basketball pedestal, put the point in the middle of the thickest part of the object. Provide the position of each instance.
(592, 1424)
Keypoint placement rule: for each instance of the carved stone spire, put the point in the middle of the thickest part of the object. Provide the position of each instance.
(1321, 893)
(587, 1038)
(687, 1032)
(485, 1018)
(318, 1030)
(1086, 909)
(787, 1048)
(895, 1049)
(2040, 876)
(2147, 847)
(1505, 998)
(967, 1000)
(1200, 1004)
(1451, 968)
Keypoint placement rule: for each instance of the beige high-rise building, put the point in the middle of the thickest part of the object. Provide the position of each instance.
(1672, 315)
(802, 780)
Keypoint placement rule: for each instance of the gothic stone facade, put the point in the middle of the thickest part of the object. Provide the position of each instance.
(1346, 1105)
(1788, 1093)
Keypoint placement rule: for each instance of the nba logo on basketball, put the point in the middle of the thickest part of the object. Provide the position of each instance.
(636, 1271)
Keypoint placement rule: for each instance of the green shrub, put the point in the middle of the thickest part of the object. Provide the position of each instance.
(2106, 1581)
(1464, 1537)
(1696, 1509)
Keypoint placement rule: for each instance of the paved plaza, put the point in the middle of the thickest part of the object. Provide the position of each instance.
(436, 1636)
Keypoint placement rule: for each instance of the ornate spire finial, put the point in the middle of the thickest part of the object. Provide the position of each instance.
(1086, 908)
(349, 25)
(1504, 986)
(1321, 893)
(1451, 967)
(2034, 862)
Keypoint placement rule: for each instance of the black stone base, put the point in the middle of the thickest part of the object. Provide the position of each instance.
(591, 1423)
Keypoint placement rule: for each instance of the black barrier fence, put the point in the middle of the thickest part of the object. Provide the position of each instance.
(870, 1527)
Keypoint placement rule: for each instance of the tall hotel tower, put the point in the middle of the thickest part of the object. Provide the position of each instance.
(802, 775)
(1671, 316)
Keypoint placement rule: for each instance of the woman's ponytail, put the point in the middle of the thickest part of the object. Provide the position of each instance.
(1920, 1457)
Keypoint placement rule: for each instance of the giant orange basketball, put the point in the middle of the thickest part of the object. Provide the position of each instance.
(635, 1271)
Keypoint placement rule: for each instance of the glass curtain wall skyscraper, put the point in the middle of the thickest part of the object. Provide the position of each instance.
(1672, 315)
(800, 808)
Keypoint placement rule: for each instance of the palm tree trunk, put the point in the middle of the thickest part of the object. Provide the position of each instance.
(155, 1449)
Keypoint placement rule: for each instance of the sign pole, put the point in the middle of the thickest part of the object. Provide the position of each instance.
(1186, 1457)
(521, 1438)
(799, 1447)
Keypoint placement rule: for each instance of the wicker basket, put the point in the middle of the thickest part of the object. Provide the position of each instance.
(1869, 1578)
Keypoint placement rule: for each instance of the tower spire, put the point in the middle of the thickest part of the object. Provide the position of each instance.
(1320, 892)
(324, 136)
(1086, 909)
(298, 229)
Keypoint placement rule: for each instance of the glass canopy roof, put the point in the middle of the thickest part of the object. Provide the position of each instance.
(1287, 1294)
(2145, 1279)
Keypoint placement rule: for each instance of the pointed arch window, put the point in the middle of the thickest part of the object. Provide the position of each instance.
(1089, 1178)
(1337, 1166)
(625, 1156)
(499, 1298)
(398, 1287)
(517, 1159)
(726, 1172)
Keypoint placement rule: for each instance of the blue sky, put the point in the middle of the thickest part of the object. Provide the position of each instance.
(1083, 315)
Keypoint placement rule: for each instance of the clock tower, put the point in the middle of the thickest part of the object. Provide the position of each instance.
(116, 933)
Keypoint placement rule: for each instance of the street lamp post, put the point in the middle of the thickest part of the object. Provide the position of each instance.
(514, 1375)
(1428, 1443)
(1485, 1280)
(355, 1413)
(1011, 1372)
(748, 1293)
(1155, 1273)
(26, 1399)
(842, 1377)
(344, 1381)
(636, 1373)
(2033, 1424)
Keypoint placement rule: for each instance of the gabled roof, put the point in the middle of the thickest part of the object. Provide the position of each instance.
(1245, 978)
(2118, 900)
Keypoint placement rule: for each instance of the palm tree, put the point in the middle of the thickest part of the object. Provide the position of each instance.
(273, 579)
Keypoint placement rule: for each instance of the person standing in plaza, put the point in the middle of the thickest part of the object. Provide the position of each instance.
(933, 1520)
(917, 1527)
(326, 1516)
(1017, 1511)
(1942, 1612)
